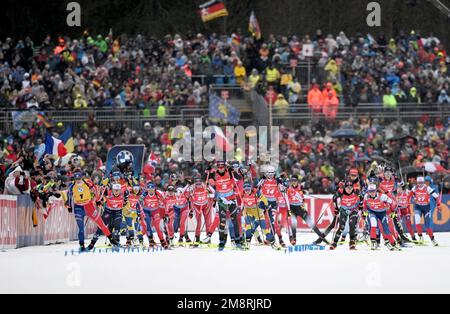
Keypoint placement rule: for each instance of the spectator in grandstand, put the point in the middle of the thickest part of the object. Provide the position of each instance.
(315, 99)
(389, 100)
(281, 106)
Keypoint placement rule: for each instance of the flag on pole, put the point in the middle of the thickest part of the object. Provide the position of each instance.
(43, 120)
(67, 139)
(212, 10)
(254, 27)
(221, 111)
(54, 147)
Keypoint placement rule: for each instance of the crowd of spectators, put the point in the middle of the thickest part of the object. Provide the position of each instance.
(140, 72)
(308, 150)
(163, 75)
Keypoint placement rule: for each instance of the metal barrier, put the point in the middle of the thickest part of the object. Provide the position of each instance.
(403, 113)
(135, 119)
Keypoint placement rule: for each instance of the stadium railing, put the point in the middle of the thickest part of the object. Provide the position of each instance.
(135, 118)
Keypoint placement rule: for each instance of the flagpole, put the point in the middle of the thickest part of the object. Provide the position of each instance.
(270, 121)
(225, 19)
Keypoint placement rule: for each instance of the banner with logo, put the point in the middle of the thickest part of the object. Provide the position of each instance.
(126, 153)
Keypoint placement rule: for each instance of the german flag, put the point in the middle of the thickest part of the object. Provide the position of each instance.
(212, 10)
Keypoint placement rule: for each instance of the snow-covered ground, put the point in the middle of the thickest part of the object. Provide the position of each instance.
(261, 270)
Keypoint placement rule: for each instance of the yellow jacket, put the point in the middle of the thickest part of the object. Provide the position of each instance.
(272, 75)
(286, 79)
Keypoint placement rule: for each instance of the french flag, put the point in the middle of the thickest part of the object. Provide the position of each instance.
(54, 147)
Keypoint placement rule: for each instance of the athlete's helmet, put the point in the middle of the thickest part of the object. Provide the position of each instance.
(151, 186)
(270, 172)
(349, 183)
(388, 171)
(78, 176)
(116, 188)
(372, 188)
(293, 179)
(136, 188)
(354, 172)
(174, 177)
(124, 158)
(170, 188)
(248, 186)
(420, 180)
(198, 179)
(221, 165)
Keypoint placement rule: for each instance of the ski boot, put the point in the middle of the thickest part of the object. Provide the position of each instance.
(434, 242)
(181, 242)
(196, 243)
(293, 241)
(221, 247)
(333, 246)
(282, 244)
(129, 243)
(374, 245)
(114, 242)
(260, 241)
(151, 242)
(246, 246)
(207, 240)
(137, 242)
(275, 246)
(91, 246)
(352, 245)
(82, 248)
(391, 247)
(165, 244)
(171, 243)
(188, 240)
(405, 239)
(421, 241)
(142, 244)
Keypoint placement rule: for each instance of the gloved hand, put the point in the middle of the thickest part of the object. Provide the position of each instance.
(99, 203)
(69, 209)
(365, 213)
(191, 214)
(336, 211)
(393, 215)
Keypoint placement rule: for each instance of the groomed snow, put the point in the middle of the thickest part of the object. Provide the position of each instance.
(261, 270)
